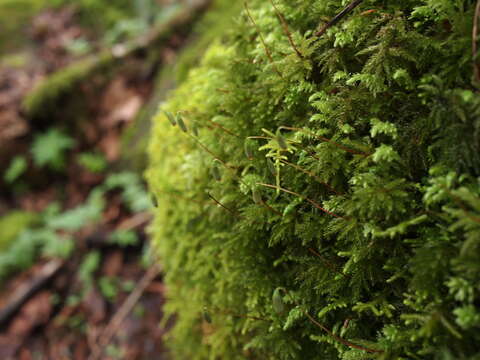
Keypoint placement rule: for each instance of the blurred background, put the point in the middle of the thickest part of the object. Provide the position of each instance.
(79, 81)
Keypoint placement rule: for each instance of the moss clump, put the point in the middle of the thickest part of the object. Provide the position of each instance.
(335, 178)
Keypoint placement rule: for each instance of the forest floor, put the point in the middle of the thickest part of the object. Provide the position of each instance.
(76, 281)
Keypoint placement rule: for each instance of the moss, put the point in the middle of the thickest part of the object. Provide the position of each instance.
(15, 60)
(12, 225)
(337, 176)
(47, 93)
(14, 14)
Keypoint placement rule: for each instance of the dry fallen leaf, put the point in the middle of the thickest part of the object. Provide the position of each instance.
(125, 112)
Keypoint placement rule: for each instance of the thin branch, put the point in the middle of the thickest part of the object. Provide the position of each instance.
(476, 66)
(25, 291)
(267, 50)
(303, 197)
(123, 312)
(135, 221)
(286, 30)
(338, 17)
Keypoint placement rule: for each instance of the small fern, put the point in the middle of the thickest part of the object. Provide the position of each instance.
(48, 149)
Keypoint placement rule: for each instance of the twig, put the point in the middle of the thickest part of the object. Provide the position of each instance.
(303, 197)
(286, 30)
(25, 291)
(267, 50)
(338, 17)
(135, 221)
(122, 313)
(476, 66)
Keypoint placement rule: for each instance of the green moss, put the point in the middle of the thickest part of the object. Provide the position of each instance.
(14, 14)
(48, 92)
(12, 225)
(104, 15)
(356, 204)
(15, 60)
(217, 21)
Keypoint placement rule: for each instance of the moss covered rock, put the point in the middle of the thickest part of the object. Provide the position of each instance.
(318, 197)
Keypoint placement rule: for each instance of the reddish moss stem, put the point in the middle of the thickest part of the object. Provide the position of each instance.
(267, 50)
(312, 175)
(286, 30)
(316, 205)
(338, 17)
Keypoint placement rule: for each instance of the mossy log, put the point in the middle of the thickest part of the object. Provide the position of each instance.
(48, 92)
